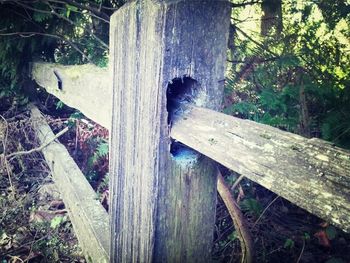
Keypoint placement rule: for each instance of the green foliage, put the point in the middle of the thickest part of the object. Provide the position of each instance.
(289, 243)
(252, 206)
(59, 105)
(73, 118)
(306, 236)
(233, 236)
(65, 32)
(101, 152)
(57, 221)
(331, 232)
(310, 54)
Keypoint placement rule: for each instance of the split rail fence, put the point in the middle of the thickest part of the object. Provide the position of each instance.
(160, 99)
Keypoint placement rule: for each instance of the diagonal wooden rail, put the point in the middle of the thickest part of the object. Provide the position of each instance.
(89, 218)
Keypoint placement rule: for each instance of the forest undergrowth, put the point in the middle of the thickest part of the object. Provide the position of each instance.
(34, 224)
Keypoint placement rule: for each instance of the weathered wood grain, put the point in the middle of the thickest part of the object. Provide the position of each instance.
(84, 87)
(101, 115)
(162, 210)
(89, 218)
(311, 173)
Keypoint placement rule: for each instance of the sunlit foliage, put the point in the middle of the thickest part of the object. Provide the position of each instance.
(297, 79)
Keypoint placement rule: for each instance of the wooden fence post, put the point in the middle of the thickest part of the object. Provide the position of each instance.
(163, 195)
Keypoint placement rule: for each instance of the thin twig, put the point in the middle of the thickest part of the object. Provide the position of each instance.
(30, 34)
(235, 5)
(31, 247)
(301, 252)
(238, 220)
(93, 11)
(263, 212)
(256, 42)
(239, 179)
(12, 155)
(53, 11)
(8, 170)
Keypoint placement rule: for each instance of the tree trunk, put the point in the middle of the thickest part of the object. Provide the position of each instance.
(271, 17)
(304, 111)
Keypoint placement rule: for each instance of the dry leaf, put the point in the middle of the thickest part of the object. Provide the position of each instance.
(322, 238)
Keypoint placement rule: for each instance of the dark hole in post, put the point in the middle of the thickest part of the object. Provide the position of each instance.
(181, 93)
(59, 80)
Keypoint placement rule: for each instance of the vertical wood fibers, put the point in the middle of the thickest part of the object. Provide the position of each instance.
(160, 210)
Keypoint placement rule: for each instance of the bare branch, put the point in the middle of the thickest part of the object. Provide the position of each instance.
(30, 34)
(237, 219)
(256, 42)
(256, 61)
(94, 11)
(235, 5)
(38, 149)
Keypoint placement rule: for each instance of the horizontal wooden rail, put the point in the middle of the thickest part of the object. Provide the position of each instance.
(89, 218)
(311, 173)
(308, 172)
(84, 87)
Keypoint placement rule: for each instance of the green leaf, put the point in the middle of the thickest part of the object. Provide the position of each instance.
(41, 16)
(102, 149)
(59, 105)
(69, 9)
(57, 221)
(233, 236)
(289, 243)
(306, 236)
(251, 205)
(72, 7)
(331, 232)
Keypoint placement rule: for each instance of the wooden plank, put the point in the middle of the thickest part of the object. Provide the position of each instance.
(89, 218)
(101, 116)
(162, 208)
(311, 173)
(83, 87)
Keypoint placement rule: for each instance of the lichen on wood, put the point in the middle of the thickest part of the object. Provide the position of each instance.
(311, 173)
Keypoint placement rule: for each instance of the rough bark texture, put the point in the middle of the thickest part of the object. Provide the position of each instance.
(272, 17)
(89, 218)
(304, 111)
(162, 209)
(83, 87)
(311, 173)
